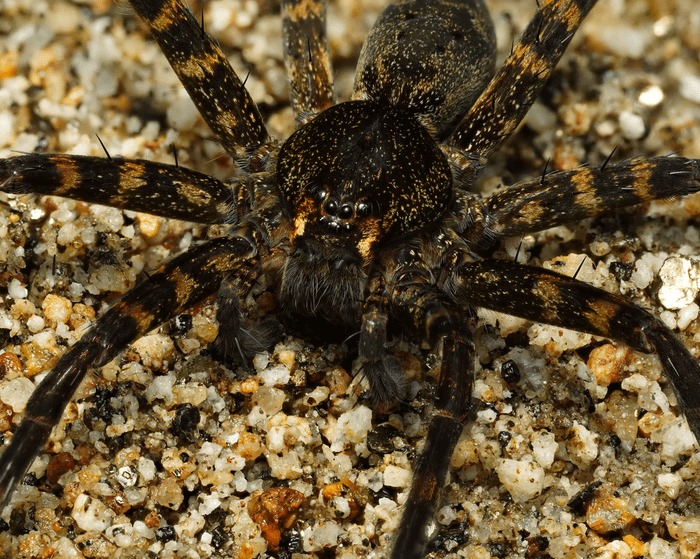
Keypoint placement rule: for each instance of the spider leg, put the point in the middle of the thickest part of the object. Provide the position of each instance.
(503, 104)
(421, 306)
(128, 184)
(206, 74)
(545, 296)
(452, 405)
(176, 286)
(306, 57)
(566, 197)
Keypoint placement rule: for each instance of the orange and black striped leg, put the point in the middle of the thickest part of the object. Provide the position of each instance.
(545, 296)
(567, 197)
(174, 287)
(306, 57)
(128, 184)
(213, 86)
(506, 100)
(383, 371)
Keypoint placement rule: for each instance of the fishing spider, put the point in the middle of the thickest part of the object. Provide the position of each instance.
(332, 218)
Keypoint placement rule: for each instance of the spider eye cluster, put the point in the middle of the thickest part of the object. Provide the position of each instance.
(360, 161)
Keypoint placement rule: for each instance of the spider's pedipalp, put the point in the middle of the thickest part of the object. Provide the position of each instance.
(240, 339)
(560, 198)
(129, 184)
(383, 371)
(172, 289)
(306, 57)
(548, 297)
(206, 74)
(503, 104)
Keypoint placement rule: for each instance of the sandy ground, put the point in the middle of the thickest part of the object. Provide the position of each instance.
(162, 449)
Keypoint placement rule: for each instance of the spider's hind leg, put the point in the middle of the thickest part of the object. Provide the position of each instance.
(306, 57)
(503, 104)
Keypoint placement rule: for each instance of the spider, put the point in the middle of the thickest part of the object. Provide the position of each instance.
(401, 287)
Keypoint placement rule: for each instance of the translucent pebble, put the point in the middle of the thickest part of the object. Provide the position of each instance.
(660, 549)
(671, 483)
(631, 125)
(90, 514)
(689, 87)
(582, 446)
(544, 447)
(278, 375)
(161, 388)
(352, 427)
(16, 290)
(395, 476)
(16, 393)
(678, 439)
(209, 504)
(687, 315)
(680, 282)
(323, 534)
(523, 479)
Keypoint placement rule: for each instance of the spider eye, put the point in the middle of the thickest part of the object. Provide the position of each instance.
(331, 207)
(346, 211)
(320, 195)
(364, 208)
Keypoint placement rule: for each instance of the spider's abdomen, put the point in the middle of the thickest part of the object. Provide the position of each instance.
(431, 57)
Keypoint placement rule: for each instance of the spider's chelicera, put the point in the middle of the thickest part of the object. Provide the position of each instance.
(364, 216)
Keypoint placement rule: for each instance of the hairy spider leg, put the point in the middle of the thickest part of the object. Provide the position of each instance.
(547, 297)
(306, 57)
(128, 184)
(174, 287)
(569, 196)
(509, 95)
(422, 307)
(219, 95)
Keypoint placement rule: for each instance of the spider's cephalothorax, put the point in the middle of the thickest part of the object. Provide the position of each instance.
(355, 179)
(364, 216)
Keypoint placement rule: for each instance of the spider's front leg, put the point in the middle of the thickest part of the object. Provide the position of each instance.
(127, 184)
(544, 296)
(503, 104)
(173, 288)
